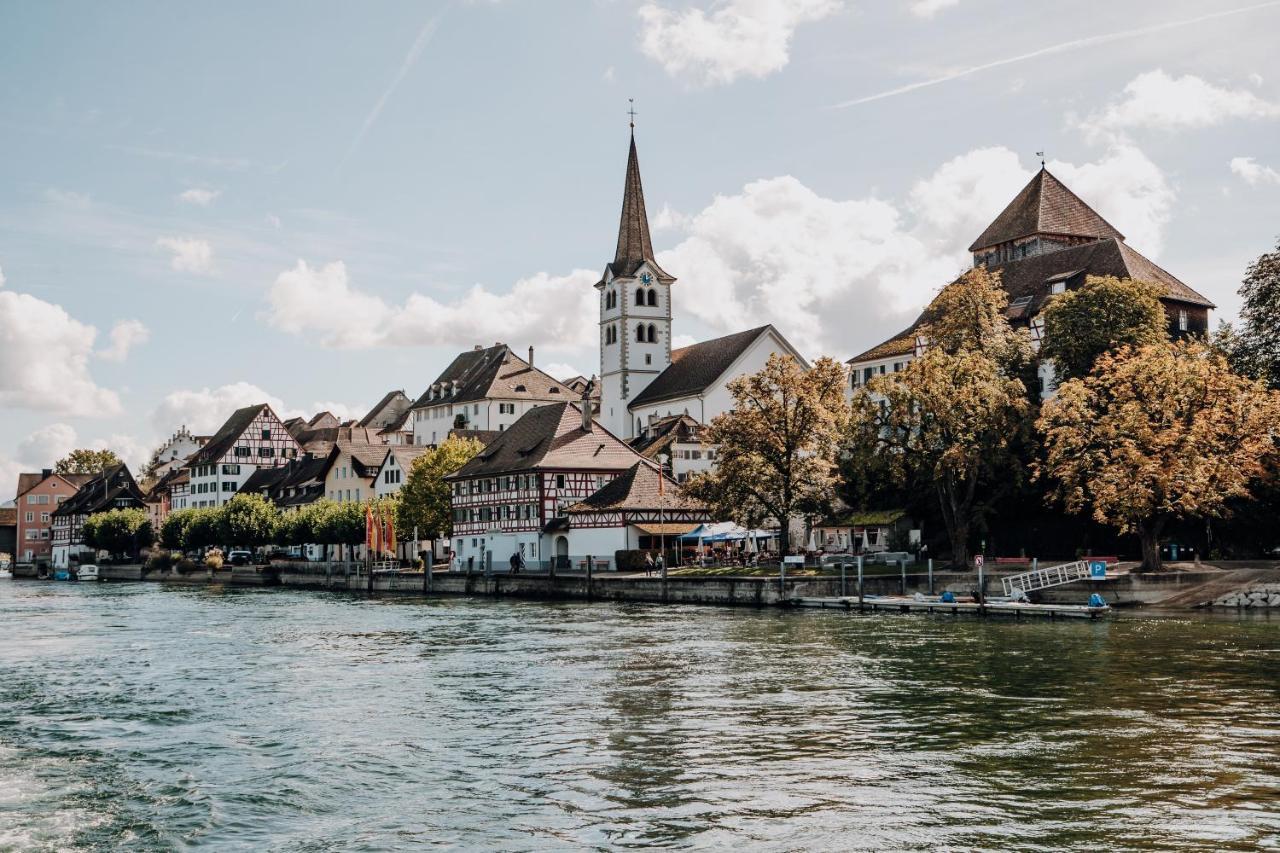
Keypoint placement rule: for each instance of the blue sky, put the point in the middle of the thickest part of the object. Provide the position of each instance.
(310, 203)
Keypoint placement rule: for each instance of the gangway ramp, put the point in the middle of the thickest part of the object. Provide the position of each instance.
(1046, 577)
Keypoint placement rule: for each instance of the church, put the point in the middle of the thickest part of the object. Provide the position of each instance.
(644, 382)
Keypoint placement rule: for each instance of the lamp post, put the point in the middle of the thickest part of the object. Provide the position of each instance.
(663, 458)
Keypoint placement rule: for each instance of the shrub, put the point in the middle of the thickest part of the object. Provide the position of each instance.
(213, 558)
(161, 561)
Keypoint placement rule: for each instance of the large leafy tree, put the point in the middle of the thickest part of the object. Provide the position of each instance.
(203, 529)
(173, 531)
(777, 446)
(249, 520)
(1105, 313)
(425, 497)
(1254, 347)
(118, 531)
(334, 523)
(953, 420)
(86, 461)
(1154, 434)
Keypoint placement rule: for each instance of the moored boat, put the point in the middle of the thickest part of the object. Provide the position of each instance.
(87, 573)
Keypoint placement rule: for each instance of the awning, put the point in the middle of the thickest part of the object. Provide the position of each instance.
(668, 529)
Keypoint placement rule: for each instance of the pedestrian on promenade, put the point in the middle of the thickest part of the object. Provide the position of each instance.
(517, 562)
(648, 563)
(661, 565)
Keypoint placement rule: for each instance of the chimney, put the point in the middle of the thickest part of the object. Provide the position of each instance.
(531, 356)
(476, 348)
(585, 403)
(46, 473)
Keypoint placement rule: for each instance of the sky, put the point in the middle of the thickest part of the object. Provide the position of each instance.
(204, 206)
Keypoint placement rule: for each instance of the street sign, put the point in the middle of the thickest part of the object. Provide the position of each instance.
(794, 561)
(1097, 568)
(978, 561)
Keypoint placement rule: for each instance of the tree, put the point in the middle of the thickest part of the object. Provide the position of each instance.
(968, 315)
(173, 532)
(249, 520)
(776, 448)
(1154, 434)
(334, 523)
(204, 529)
(425, 497)
(118, 531)
(1106, 313)
(1255, 346)
(85, 461)
(948, 423)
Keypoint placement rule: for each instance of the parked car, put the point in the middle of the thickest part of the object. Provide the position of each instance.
(240, 558)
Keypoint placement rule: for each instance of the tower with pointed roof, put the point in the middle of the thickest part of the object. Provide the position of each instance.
(635, 310)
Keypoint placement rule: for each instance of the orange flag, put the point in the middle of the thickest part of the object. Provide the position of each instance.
(370, 530)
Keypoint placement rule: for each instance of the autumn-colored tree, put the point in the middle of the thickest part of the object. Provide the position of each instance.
(1104, 314)
(425, 497)
(776, 448)
(85, 461)
(1157, 433)
(952, 420)
(1254, 348)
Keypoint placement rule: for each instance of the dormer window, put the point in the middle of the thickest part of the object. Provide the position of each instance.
(521, 388)
(1058, 287)
(1184, 321)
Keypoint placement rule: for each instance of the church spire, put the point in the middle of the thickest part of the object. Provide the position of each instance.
(634, 243)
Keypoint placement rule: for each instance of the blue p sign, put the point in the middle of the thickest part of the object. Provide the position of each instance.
(1097, 569)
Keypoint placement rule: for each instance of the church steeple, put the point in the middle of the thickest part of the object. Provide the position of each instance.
(635, 246)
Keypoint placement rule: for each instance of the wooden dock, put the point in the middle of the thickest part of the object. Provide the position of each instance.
(902, 604)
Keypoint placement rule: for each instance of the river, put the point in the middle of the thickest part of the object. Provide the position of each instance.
(138, 717)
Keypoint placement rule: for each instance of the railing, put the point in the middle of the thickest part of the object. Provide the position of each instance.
(1046, 577)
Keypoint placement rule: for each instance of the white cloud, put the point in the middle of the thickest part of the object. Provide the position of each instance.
(1253, 172)
(1129, 190)
(341, 411)
(47, 445)
(125, 335)
(669, 219)
(203, 411)
(563, 370)
(199, 196)
(130, 449)
(190, 254)
(2, 278)
(44, 359)
(740, 38)
(929, 8)
(548, 311)
(1157, 100)
(9, 471)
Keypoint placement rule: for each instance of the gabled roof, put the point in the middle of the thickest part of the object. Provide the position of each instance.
(29, 480)
(695, 368)
(551, 437)
(100, 492)
(404, 454)
(366, 457)
(8, 516)
(638, 488)
(1045, 206)
(492, 372)
(1026, 281)
(389, 408)
(661, 434)
(225, 438)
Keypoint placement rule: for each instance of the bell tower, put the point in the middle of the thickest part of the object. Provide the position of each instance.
(635, 310)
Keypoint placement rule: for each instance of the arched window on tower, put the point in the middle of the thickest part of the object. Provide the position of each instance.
(653, 297)
(653, 334)
(639, 295)
(640, 333)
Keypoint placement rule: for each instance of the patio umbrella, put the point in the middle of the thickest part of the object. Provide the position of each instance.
(751, 542)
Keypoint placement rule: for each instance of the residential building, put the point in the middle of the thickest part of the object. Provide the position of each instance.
(252, 438)
(678, 439)
(554, 457)
(642, 378)
(350, 467)
(391, 411)
(867, 532)
(8, 534)
(114, 488)
(173, 453)
(39, 494)
(639, 509)
(1046, 242)
(389, 477)
(483, 389)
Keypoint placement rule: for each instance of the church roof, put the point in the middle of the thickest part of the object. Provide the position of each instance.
(494, 371)
(550, 437)
(1045, 206)
(694, 368)
(635, 247)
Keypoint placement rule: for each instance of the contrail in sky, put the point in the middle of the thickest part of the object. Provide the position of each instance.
(1088, 41)
(425, 35)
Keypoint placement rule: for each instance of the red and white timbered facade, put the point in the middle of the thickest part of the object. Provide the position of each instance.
(254, 437)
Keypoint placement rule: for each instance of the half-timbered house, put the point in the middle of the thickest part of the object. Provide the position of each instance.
(252, 438)
(641, 508)
(114, 488)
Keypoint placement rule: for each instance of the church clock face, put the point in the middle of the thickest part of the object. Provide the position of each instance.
(645, 278)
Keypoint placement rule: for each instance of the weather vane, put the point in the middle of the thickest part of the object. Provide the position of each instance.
(1040, 154)
(631, 111)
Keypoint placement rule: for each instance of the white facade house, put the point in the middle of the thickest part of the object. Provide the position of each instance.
(484, 389)
(253, 437)
(174, 453)
(390, 476)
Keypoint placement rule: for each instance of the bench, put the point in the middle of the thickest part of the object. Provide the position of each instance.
(601, 565)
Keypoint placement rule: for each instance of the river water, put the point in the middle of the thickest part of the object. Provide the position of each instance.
(137, 717)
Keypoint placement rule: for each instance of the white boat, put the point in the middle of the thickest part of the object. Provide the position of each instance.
(87, 573)
(5, 571)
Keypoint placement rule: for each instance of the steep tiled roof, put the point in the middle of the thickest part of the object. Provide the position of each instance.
(637, 488)
(551, 437)
(662, 433)
(100, 492)
(390, 408)
(405, 454)
(492, 372)
(8, 516)
(1045, 206)
(1029, 277)
(226, 436)
(484, 436)
(29, 480)
(694, 368)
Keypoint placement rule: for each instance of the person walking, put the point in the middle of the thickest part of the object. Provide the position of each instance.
(661, 565)
(517, 562)
(648, 563)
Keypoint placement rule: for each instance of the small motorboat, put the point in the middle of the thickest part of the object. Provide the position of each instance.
(62, 575)
(87, 573)
(5, 571)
